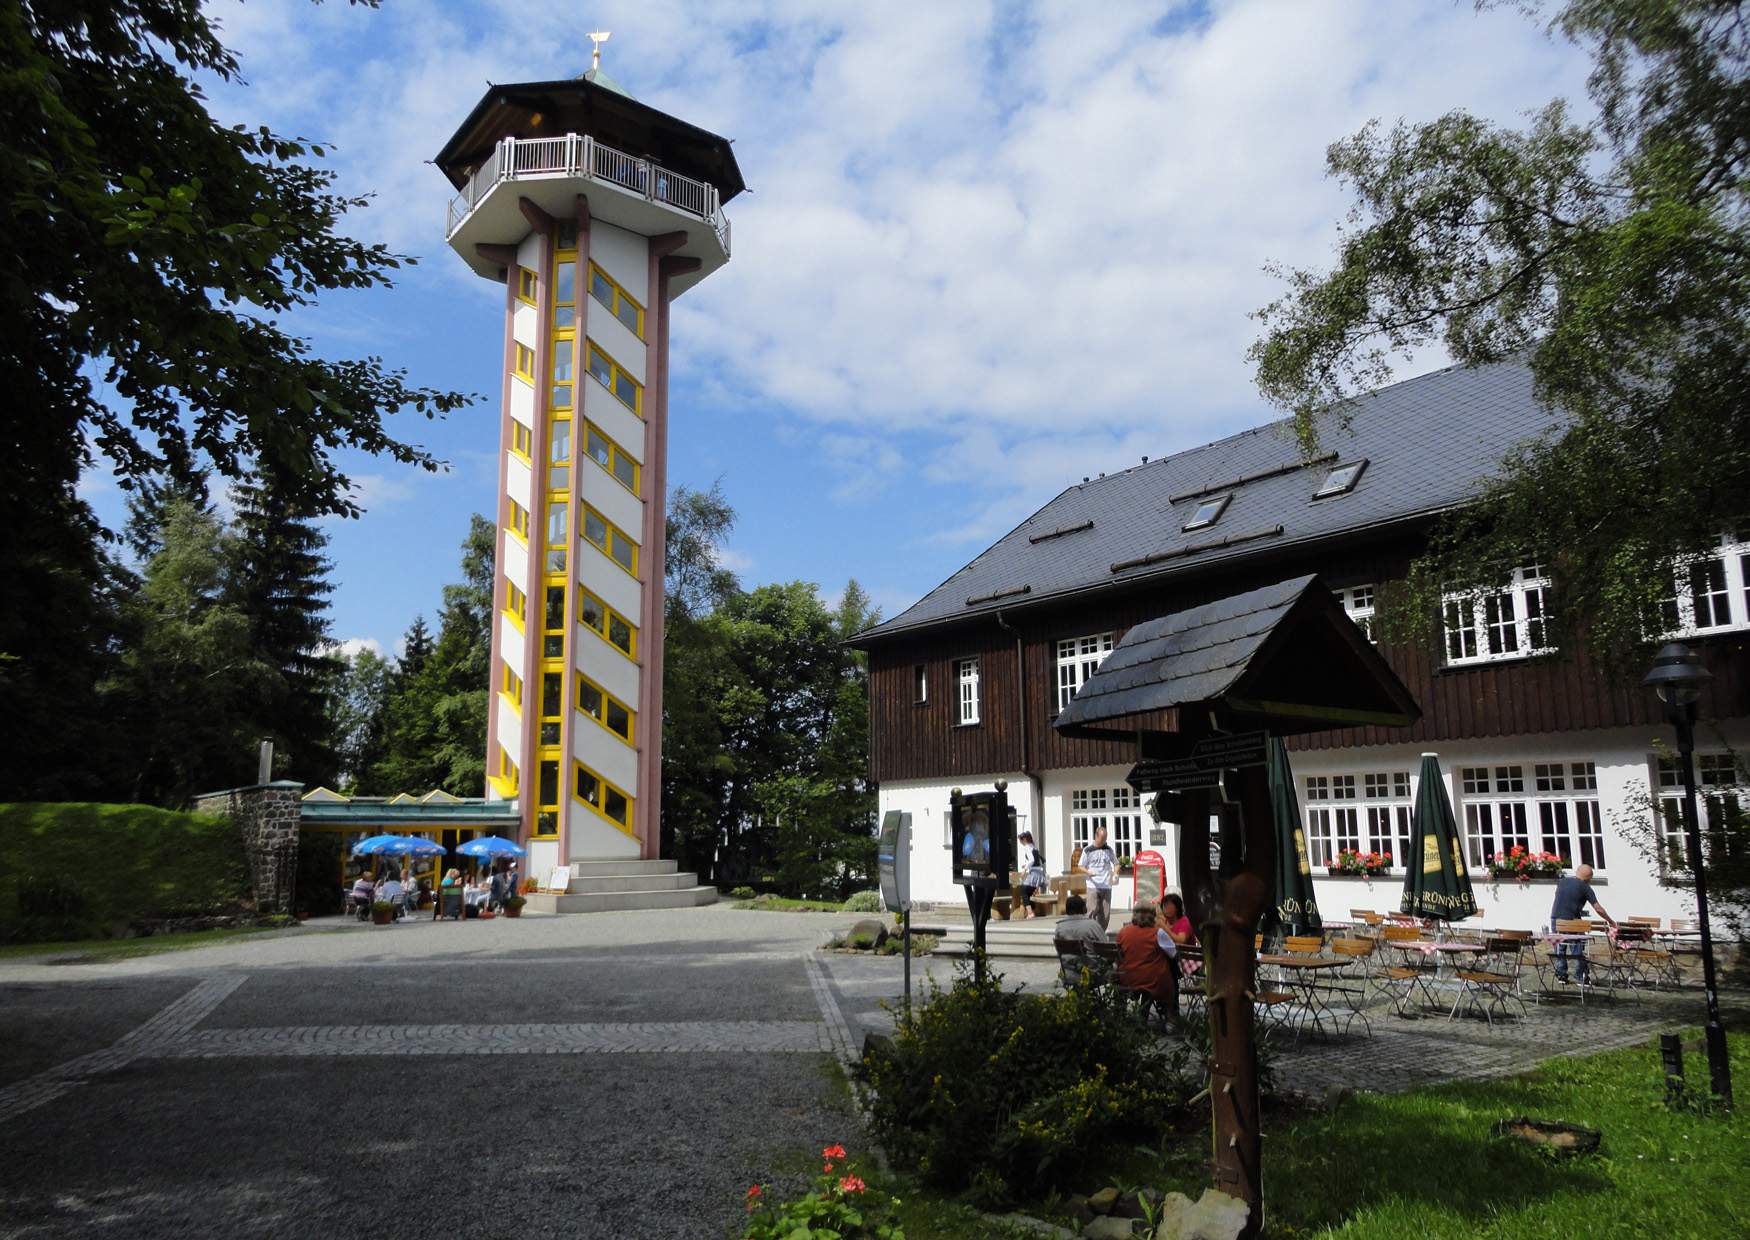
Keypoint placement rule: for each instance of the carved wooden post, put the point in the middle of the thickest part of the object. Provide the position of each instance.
(1227, 912)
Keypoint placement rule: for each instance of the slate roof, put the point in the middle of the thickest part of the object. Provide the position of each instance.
(1429, 442)
(1189, 656)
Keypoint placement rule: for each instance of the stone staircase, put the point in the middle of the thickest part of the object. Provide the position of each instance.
(609, 886)
(1009, 940)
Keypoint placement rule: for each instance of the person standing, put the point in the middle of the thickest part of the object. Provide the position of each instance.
(1573, 893)
(1101, 863)
(1032, 869)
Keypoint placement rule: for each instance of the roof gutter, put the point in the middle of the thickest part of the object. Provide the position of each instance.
(1036, 809)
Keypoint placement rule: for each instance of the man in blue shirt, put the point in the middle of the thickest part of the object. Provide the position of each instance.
(1573, 893)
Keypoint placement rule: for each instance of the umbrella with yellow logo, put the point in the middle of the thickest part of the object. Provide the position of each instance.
(1436, 883)
(1297, 908)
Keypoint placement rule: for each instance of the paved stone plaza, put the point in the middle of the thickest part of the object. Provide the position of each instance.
(615, 1074)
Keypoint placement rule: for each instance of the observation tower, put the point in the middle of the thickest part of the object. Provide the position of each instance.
(594, 211)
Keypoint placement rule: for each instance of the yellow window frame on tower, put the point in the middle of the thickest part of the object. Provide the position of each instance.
(516, 604)
(609, 625)
(613, 376)
(609, 539)
(525, 364)
(543, 806)
(607, 800)
(507, 776)
(610, 456)
(527, 285)
(511, 686)
(609, 711)
(519, 520)
(521, 440)
(621, 304)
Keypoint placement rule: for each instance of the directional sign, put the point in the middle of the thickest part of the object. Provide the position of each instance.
(1202, 767)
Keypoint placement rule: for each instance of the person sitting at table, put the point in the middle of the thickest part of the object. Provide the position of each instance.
(1078, 925)
(410, 892)
(1173, 920)
(391, 892)
(1573, 893)
(362, 891)
(449, 902)
(1145, 960)
(499, 890)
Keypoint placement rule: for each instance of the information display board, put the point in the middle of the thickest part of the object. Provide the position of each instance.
(893, 854)
(983, 838)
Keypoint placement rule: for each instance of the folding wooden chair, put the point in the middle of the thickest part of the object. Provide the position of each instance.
(1490, 990)
(1071, 966)
(1404, 977)
(1353, 981)
(1577, 959)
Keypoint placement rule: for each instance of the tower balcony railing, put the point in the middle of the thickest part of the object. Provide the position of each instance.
(579, 155)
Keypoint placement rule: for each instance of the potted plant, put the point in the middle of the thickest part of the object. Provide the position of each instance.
(1352, 862)
(1126, 864)
(382, 912)
(1519, 864)
(513, 907)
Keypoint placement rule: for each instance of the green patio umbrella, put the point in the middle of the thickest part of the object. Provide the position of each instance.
(1436, 883)
(1297, 908)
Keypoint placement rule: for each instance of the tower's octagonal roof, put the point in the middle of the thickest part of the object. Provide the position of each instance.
(599, 109)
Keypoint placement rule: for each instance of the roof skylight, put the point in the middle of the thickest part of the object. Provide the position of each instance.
(1341, 480)
(1208, 512)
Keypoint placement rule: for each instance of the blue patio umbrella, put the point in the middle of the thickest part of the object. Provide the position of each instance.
(376, 845)
(490, 846)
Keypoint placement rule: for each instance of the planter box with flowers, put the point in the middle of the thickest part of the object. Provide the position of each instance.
(1355, 864)
(1519, 865)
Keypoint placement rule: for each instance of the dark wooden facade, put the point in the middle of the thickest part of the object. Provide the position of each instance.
(1554, 693)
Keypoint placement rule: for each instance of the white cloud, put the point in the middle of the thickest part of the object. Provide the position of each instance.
(371, 491)
(1025, 239)
(735, 561)
(349, 647)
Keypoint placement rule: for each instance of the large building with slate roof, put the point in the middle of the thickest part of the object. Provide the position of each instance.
(1539, 747)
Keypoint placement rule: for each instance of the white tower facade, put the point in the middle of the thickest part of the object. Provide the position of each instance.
(595, 211)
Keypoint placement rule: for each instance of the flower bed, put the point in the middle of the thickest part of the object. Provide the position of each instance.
(839, 1204)
(1520, 865)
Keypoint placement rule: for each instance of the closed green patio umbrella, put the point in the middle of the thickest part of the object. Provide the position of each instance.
(1436, 883)
(1297, 908)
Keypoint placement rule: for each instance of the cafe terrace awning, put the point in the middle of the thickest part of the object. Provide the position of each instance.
(1283, 659)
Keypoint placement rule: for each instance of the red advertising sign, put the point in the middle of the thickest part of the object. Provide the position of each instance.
(1148, 878)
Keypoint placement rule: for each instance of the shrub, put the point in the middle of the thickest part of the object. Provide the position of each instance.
(79, 870)
(1028, 1086)
(741, 893)
(864, 902)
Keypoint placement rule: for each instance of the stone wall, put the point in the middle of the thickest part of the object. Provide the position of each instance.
(267, 815)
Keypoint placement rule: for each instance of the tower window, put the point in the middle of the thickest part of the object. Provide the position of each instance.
(516, 603)
(607, 538)
(601, 796)
(512, 686)
(611, 457)
(519, 519)
(519, 439)
(525, 287)
(609, 624)
(611, 375)
(1208, 512)
(1341, 480)
(616, 300)
(525, 362)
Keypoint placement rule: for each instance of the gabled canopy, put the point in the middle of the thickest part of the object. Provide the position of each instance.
(1284, 659)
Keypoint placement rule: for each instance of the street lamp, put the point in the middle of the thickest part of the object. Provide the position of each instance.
(1677, 676)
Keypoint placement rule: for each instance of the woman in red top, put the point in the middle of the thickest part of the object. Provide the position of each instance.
(1145, 960)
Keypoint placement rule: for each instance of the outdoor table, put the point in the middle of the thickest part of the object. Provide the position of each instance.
(1302, 978)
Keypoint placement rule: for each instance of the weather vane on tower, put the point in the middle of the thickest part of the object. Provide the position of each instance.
(598, 37)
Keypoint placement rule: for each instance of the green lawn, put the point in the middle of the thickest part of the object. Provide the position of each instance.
(784, 904)
(1423, 1165)
(90, 951)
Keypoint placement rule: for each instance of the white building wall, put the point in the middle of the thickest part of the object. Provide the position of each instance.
(518, 484)
(1628, 885)
(607, 580)
(617, 422)
(603, 492)
(606, 665)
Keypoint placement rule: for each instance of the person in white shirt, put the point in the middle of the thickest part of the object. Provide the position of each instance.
(391, 891)
(1032, 867)
(1101, 863)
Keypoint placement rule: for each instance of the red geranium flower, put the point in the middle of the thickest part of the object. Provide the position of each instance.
(833, 1151)
(851, 1184)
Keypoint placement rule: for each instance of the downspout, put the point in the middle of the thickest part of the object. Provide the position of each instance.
(1036, 812)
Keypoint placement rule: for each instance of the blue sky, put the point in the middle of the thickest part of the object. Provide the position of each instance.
(989, 249)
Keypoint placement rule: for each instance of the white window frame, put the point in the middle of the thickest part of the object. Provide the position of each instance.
(1333, 817)
(1732, 560)
(920, 683)
(966, 677)
(1548, 806)
(1077, 659)
(1207, 512)
(1117, 809)
(1719, 790)
(1490, 626)
(1358, 603)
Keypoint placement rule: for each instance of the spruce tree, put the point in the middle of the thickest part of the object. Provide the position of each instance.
(279, 581)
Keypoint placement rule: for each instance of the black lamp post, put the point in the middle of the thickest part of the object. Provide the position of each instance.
(1677, 676)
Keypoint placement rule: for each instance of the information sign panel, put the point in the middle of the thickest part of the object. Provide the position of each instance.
(1202, 767)
(893, 852)
(1149, 878)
